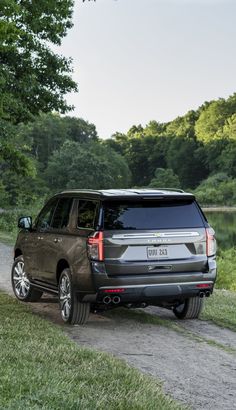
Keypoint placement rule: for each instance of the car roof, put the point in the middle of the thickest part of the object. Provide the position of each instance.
(139, 193)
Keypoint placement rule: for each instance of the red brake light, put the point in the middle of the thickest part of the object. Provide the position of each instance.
(95, 246)
(210, 242)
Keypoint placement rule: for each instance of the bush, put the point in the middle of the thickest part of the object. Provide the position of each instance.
(218, 189)
(226, 263)
(9, 218)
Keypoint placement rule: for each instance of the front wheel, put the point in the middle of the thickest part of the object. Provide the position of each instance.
(190, 309)
(20, 283)
(72, 311)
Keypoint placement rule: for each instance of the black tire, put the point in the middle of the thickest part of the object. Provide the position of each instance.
(190, 309)
(72, 310)
(21, 285)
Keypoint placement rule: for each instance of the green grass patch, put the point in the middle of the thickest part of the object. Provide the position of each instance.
(7, 238)
(42, 369)
(220, 308)
(226, 264)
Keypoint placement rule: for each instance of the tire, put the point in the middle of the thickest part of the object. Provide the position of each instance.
(72, 311)
(21, 285)
(190, 309)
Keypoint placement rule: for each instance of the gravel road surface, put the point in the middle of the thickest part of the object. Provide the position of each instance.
(193, 367)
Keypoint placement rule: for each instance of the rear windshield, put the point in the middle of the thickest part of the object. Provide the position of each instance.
(151, 215)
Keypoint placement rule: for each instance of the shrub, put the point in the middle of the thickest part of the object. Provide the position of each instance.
(226, 262)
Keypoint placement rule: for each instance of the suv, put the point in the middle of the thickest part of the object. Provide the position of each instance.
(108, 248)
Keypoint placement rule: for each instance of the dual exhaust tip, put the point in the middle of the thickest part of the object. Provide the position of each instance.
(207, 294)
(107, 300)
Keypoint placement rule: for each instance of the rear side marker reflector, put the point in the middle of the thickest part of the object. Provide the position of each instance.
(204, 285)
(121, 290)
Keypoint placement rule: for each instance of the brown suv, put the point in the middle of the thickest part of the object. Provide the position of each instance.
(117, 247)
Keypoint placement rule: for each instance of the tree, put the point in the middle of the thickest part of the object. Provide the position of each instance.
(185, 157)
(90, 165)
(213, 117)
(48, 132)
(183, 126)
(165, 178)
(33, 78)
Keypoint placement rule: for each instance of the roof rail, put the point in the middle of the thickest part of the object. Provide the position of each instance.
(170, 189)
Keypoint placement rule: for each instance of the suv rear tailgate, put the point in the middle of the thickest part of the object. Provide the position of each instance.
(162, 251)
(153, 236)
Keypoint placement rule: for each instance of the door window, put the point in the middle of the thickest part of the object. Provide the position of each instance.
(87, 214)
(62, 213)
(45, 217)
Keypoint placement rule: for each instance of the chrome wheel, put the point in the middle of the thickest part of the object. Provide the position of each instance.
(65, 297)
(20, 281)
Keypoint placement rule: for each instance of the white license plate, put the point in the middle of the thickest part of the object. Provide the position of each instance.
(157, 252)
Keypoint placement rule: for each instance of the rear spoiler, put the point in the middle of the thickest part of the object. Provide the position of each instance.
(145, 197)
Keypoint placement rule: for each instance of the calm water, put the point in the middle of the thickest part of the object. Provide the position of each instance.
(224, 224)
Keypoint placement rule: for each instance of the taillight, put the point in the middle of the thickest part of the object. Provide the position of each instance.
(210, 242)
(95, 246)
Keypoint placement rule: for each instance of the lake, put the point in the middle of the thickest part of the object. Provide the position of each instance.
(224, 224)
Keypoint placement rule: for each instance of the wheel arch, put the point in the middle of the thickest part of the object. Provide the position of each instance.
(61, 265)
(17, 252)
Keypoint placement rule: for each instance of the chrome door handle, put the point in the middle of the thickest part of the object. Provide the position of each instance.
(57, 240)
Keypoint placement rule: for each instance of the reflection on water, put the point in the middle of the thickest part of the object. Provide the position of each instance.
(224, 224)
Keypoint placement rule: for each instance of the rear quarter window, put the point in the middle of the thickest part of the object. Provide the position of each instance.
(152, 215)
(87, 214)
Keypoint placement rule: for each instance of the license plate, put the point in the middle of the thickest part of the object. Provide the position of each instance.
(157, 252)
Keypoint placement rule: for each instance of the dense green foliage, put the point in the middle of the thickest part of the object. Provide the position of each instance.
(194, 148)
(33, 78)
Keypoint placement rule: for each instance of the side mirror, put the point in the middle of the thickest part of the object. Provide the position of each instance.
(25, 222)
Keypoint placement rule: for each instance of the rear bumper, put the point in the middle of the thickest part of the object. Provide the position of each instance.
(152, 287)
(174, 292)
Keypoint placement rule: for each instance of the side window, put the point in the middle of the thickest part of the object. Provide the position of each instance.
(87, 214)
(62, 213)
(44, 219)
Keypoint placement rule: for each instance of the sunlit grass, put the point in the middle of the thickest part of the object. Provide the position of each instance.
(42, 369)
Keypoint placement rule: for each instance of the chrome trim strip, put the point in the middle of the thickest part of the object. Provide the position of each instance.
(156, 284)
(155, 235)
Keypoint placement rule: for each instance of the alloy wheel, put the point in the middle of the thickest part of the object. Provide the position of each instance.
(21, 281)
(65, 297)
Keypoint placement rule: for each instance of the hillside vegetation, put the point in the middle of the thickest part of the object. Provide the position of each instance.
(196, 152)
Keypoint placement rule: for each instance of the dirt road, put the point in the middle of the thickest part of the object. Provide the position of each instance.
(193, 363)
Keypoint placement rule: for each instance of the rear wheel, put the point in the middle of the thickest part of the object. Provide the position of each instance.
(21, 284)
(190, 309)
(72, 311)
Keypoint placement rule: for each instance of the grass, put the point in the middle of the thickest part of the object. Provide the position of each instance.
(42, 369)
(220, 308)
(226, 262)
(7, 237)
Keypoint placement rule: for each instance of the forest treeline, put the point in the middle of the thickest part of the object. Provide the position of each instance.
(196, 152)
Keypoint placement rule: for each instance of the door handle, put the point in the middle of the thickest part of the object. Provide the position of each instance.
(57, 240)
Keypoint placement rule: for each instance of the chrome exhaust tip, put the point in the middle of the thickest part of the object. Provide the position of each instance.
(208, 293)
(201, 295)
(107, 300)
(116, 300)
